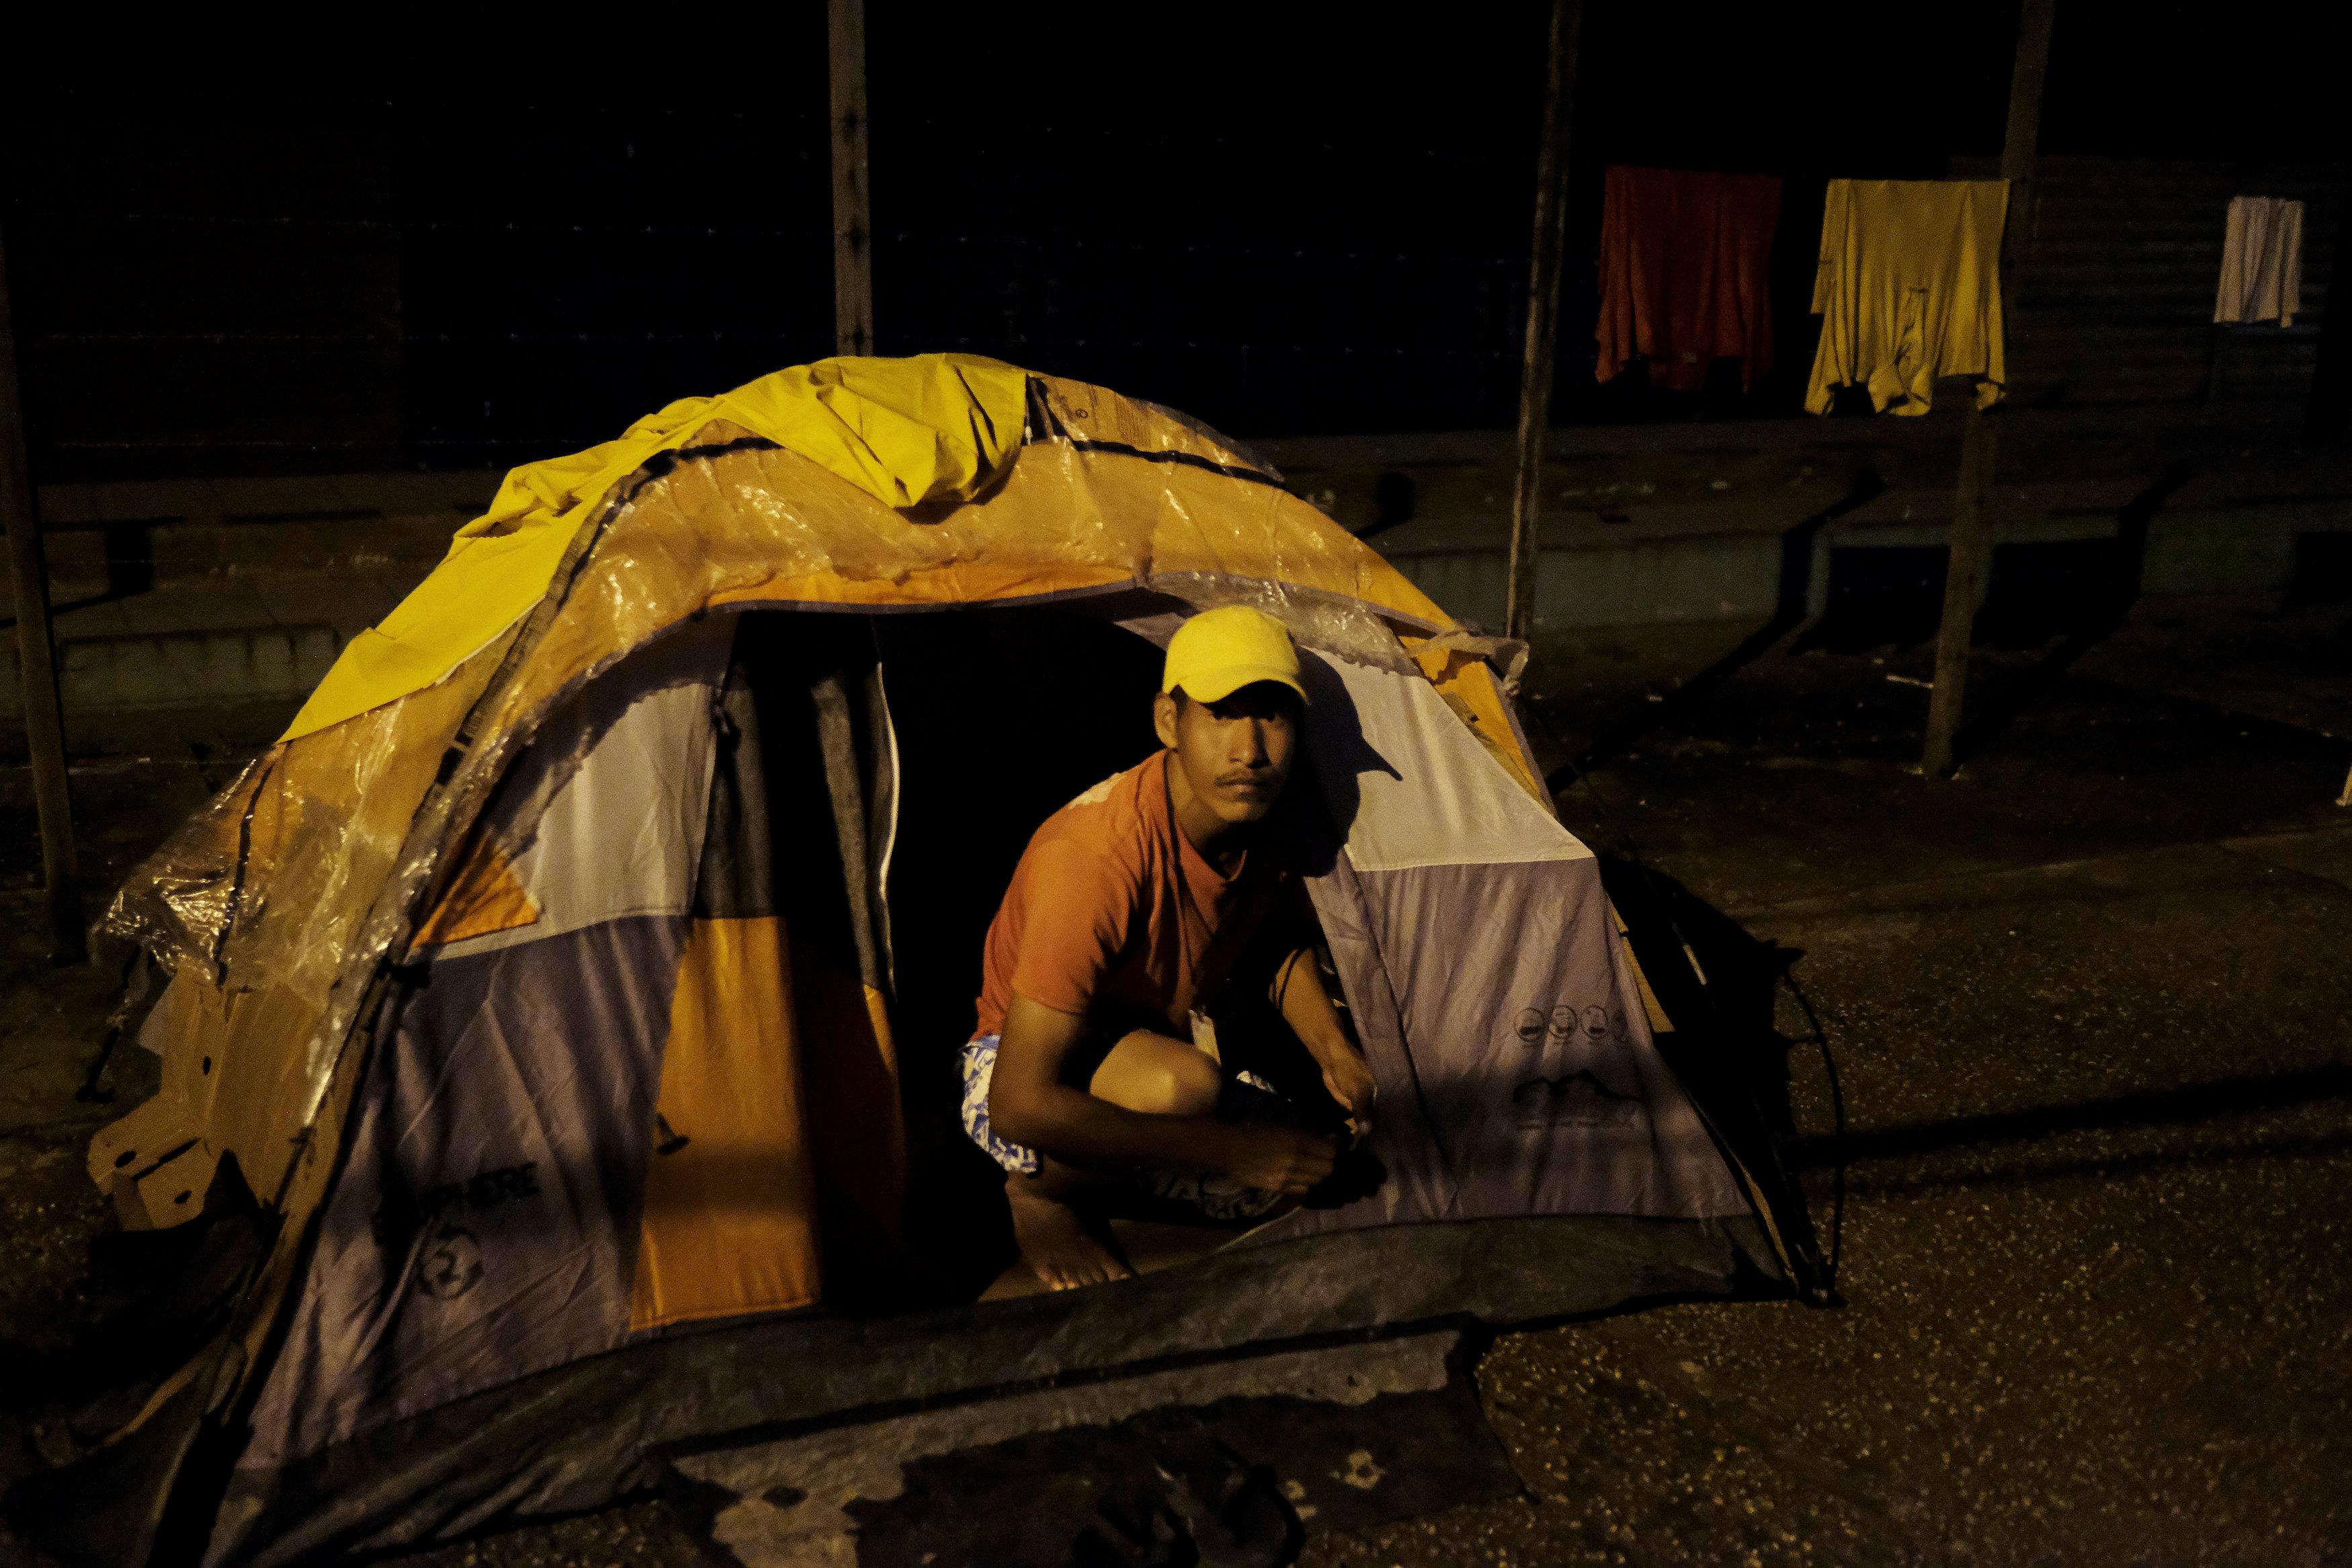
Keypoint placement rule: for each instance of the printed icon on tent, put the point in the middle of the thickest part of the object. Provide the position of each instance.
(451, 1264)
(403, 1215)
(1577, 1100)
(1598, 1023)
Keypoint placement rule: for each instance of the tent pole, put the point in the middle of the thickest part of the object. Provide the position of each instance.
(853, 228)
(37, 664)
(1543, 317)
(1971, 536)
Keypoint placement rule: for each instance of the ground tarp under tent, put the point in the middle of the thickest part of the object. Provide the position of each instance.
(564, 1012)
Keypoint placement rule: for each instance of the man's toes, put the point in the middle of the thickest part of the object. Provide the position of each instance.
(1062, 1274)
(1078, 1273)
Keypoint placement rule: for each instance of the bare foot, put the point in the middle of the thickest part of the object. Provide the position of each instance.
(1054, 1244)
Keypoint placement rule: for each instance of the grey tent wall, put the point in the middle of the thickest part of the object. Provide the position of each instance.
(580, 1435)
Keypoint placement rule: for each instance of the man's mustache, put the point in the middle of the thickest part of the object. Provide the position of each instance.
(1246, 776)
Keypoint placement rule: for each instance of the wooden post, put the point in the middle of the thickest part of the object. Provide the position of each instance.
(1971, 536)
(36, 664)
(853, 228)
(1543, 318)
(1964, 575)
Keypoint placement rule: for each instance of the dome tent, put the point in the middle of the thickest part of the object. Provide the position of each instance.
(574, 988)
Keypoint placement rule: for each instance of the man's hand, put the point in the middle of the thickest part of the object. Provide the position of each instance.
(1298, 992)
(1276, 1159)
(1350, 1083)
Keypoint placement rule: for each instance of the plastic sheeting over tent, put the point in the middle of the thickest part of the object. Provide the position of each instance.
(559, 1000)
(904, 430)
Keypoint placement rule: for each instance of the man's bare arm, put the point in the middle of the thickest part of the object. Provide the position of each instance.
(1029, 1103)
(1306, 1007)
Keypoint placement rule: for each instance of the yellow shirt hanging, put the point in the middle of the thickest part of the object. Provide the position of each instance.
(1908, 289)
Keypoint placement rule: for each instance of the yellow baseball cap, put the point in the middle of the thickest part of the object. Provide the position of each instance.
(1219, 651)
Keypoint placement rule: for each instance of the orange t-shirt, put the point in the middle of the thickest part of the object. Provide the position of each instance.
(1094, 919)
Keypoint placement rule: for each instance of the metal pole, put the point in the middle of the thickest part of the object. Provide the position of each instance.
(37, 663)
(1971, 536)
(1543, 317)
(853, 228)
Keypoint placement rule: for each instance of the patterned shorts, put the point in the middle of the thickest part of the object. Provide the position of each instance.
(1214, 1196)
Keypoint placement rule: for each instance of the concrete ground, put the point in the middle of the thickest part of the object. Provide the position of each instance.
(2085, 1003)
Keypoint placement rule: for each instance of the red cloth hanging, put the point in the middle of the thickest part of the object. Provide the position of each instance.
(1682, 273)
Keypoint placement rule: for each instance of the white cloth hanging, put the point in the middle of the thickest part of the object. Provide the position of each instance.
(2262, 261)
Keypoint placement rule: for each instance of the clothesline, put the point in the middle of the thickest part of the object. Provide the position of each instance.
(1906, 280)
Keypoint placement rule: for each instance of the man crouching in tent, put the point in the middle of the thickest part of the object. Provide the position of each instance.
(1156, 898)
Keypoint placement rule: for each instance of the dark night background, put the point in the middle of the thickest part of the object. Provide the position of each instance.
(2054, 1048)
(1283, 222)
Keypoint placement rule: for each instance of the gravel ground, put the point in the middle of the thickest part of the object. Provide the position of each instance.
(2087, 1006)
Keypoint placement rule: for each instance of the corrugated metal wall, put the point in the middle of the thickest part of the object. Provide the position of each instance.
(2117, 301)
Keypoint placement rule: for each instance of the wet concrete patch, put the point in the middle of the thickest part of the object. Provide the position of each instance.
(1346, 1438)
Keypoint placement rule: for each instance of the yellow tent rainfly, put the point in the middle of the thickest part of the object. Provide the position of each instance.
(904, 430)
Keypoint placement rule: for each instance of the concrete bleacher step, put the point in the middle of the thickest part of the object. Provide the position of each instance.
(205, 599)
(224, 600)
(241, 684)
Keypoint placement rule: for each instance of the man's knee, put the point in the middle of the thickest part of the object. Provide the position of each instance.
(1191, 1086)
(1177, 1083)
